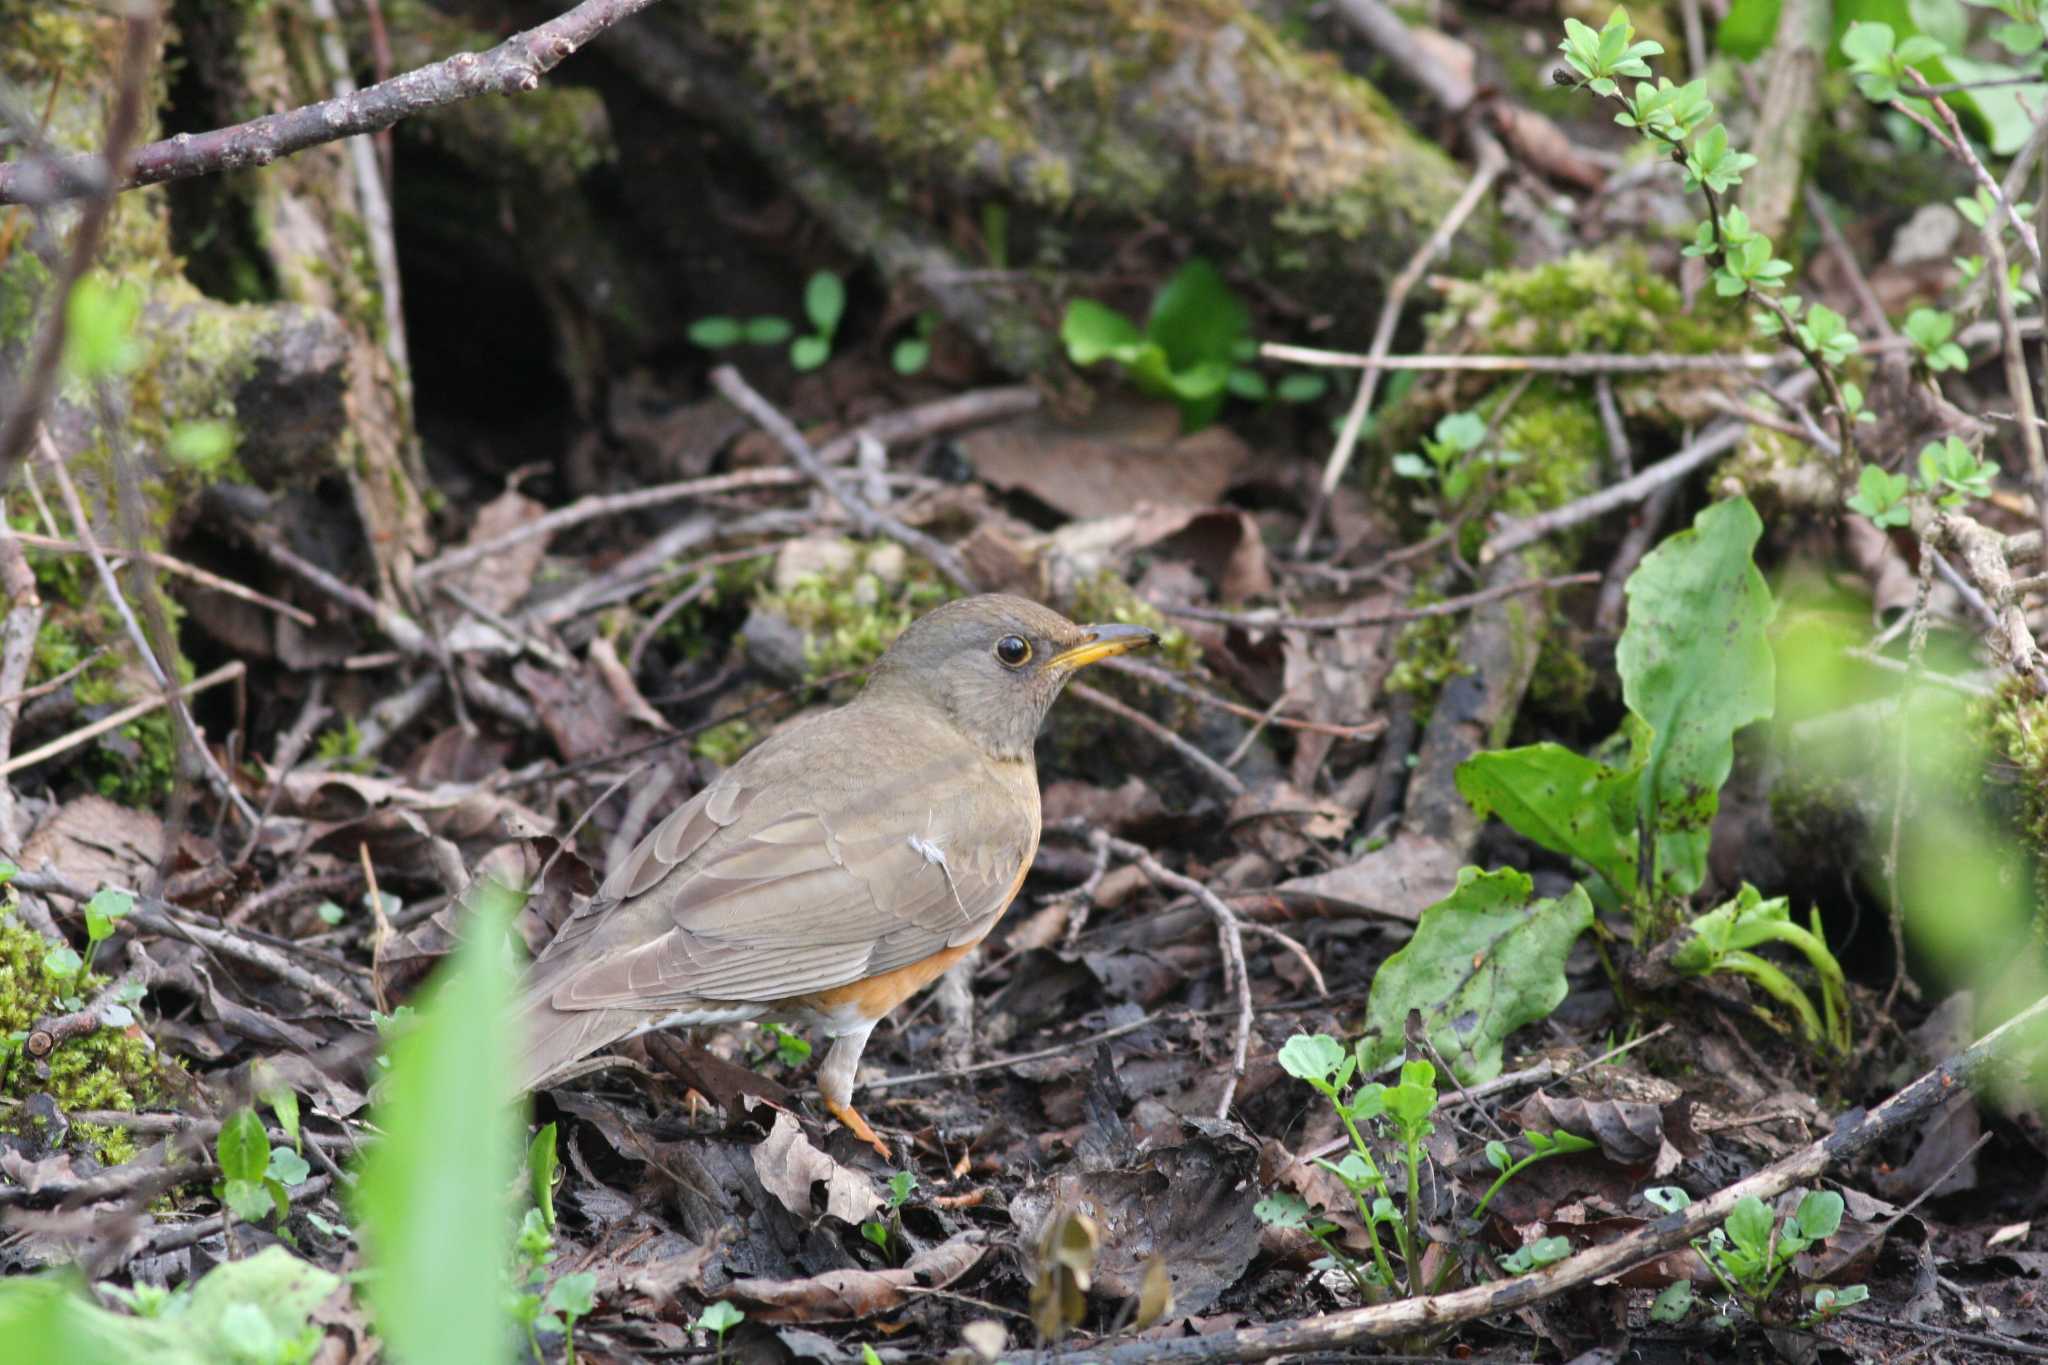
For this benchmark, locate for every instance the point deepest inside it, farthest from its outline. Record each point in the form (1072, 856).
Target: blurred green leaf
(243, 1148)
(1197, 317)
(431, 1198)
(99, 328)
(203, 445)
(1094, 331)
(540, 1170)
(715, 334)
(825, 302)
(766, 331)
(808, 353)
(910, 355)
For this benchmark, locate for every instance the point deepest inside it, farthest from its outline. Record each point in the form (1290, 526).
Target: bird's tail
(551, 1039)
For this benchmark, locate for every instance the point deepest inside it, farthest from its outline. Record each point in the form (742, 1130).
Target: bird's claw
(858, 1126)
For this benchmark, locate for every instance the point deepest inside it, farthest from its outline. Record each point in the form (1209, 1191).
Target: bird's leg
(835, 1083)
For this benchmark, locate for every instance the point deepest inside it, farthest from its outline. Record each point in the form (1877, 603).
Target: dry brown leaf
(789, 1165)
(1066, 1265)
(500, 580)
(847, 1295)
(1120, 456)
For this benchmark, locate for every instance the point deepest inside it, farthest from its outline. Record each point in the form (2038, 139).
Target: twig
(25, 412)
(1957, 144)
(1229, 938)
(1853, 1135)
(68, 742)
(1292, 945)
(1492, 161)
(159, 917)
(167, 695)
(867, 519)
(513, 66)
(1161, 677)
(1450, 606)
(1220, 777)
(174, 565)
(1659, 362)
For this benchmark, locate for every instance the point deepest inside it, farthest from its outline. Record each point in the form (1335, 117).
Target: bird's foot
(858, 1126)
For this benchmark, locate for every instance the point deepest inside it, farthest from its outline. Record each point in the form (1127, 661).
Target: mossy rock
(1192, 111)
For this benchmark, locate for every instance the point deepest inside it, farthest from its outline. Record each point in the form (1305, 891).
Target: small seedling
(720, 1318)
(1537, 1254)
(102, 913)
(824, 305)
(881, 1233)
(1751, 1251)
(914, 352)
(254, 1175)
(1452, 458)
(790, 1048)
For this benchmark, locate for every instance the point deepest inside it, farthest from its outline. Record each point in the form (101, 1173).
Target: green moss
(1045, 96)
(1563, 681)
(109, 1069)
(723, 744)
(1586, 302)
(849, 617)
(1425, 656)
(2015, 725)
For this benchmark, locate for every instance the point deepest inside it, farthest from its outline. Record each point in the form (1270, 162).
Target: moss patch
(110, 1069)
(851, 613)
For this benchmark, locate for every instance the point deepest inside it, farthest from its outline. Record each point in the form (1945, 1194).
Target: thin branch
(65, 743)
(1656, 362)
(868, 520)
(1451, 606)
(513, 66)
(1228, 783)
(1492, 162)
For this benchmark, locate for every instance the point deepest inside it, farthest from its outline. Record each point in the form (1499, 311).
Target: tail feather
(551, 1039)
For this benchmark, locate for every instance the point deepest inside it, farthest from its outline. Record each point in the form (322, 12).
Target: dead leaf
(1399, 880)
(1120, 456)
(95, 842)
(789, 1165)
(604, 657)
(848, 1295)
(1066, 1264)
(1155, 1295)
(498, 581)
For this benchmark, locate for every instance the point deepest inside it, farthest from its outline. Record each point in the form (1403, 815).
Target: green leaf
(1566, 802)
(1197, 319)
(431, 1193)
(1282, 1209)
(876, 1232)
(825, 302)
(540, 1173)
(284, 1101)
(910, 355)
(808, 353)
(574, 1295)
(329, 912)
(1482, 962)
(715, 334)
(1696, 666)
(287, 1167)
(720, 1317)
(1248, 384)
(1301, 388)
(1749, 1223)
(1819, 1215)
(765, 331)
(1748, 29)
(99, 328)
(1311, 1057)
(242, 1147)
(251, 1200)
(1673, 1303)
(1093, 331)
(62, 961)
(203, 445)
(103, 910)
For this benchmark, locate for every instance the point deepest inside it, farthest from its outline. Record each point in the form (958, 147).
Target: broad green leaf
(1311, 1057)
(269, 1295)
(1749, 1223)
(1820, 1214)
(431, 1200)
(106, 906)
(825, 302)
(1093, 331)
(1566, 802)
(1197, 318)
(1695, 665)
(1483, 961)
(276, 1284)
(2000, 110)
(242, 1148)
(287, 1167)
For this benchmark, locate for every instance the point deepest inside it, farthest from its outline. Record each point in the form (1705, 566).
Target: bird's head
(994, 664)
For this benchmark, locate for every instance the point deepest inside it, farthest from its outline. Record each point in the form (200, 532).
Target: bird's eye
(1013, 651)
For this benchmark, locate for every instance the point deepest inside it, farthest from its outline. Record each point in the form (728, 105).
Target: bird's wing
(774, 886)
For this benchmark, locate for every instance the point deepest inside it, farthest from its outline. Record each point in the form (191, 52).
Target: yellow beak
(1103, 642)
